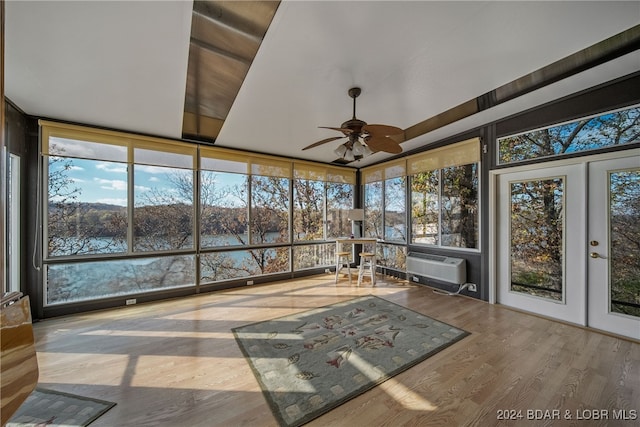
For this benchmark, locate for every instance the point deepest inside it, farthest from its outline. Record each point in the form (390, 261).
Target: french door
(567, 242)
(614, 246)
(541, 224)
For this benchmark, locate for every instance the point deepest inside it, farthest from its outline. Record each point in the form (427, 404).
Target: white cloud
(151, 169)
(154, 179)
(142, 188)
(77, 180)
(112, 184)
(111, 167)
(76, 168)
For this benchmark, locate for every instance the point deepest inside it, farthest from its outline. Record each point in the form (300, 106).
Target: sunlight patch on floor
(190, 372)
(89, 368)
(394, 388)
(162, 334)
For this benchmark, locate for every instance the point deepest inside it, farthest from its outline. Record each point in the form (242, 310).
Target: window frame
(584, 152)
(250, 165)
(457, 154)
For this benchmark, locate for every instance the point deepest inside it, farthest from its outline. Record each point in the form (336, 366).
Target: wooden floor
(176, 363)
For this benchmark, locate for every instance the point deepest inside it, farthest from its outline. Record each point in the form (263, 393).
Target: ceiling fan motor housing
(354, 124)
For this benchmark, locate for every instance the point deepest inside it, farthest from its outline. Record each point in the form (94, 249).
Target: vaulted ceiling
(159, 67)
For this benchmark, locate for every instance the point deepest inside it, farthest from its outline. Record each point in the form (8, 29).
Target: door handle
(596, 255)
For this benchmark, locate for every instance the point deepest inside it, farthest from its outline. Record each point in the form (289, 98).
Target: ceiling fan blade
(343, 130)
(385, 144)
(382, 130)
(324, 141)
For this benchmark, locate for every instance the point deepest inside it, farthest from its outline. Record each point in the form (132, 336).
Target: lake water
(81, 281)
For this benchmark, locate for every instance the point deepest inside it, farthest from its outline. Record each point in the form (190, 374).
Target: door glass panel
(624, 263)
(537, 210)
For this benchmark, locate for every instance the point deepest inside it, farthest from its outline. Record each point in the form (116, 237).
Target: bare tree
(76, 228)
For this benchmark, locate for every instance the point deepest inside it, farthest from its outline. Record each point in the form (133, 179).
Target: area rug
(54, 408)
(311, 362)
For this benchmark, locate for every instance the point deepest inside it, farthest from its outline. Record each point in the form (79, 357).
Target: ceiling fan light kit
(358, 148)
(341, 150)
(362, 139)
(348, 156)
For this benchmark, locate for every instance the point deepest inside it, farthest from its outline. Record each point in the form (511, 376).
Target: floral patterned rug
(309, 363)
(54, 408)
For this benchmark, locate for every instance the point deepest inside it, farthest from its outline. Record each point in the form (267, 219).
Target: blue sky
(106, 182)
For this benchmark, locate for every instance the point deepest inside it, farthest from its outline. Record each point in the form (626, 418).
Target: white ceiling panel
(119, 64)
(123, 64)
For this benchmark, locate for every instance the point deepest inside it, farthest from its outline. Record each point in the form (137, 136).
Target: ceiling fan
(363, 139)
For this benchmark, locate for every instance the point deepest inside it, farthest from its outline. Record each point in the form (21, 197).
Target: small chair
(367, 260)
(343, 259)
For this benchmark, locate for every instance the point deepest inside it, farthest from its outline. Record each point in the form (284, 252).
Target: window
(312, 256)
(339, 202)
(163, 208)
(85, 281)
(163, 197)
(395, 224)
(373, 209)
(425, 208)
(224, 214)
(443, 186)
(226, 265)
(109, 195)
(87, 198)
(224, 208)
(590, 133)
(392, 256)
(269, 210)
(322, 198)
(385, 201)
(460, 206)
(308, 209)
(121, 217)
(270, 201)
(444, 196)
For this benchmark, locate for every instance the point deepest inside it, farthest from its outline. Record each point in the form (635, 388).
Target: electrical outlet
(416, 279)
(472, 287)
(249, 282)
(131, 301)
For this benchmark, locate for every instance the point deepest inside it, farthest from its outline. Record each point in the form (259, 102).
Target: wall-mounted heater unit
(446, 269)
